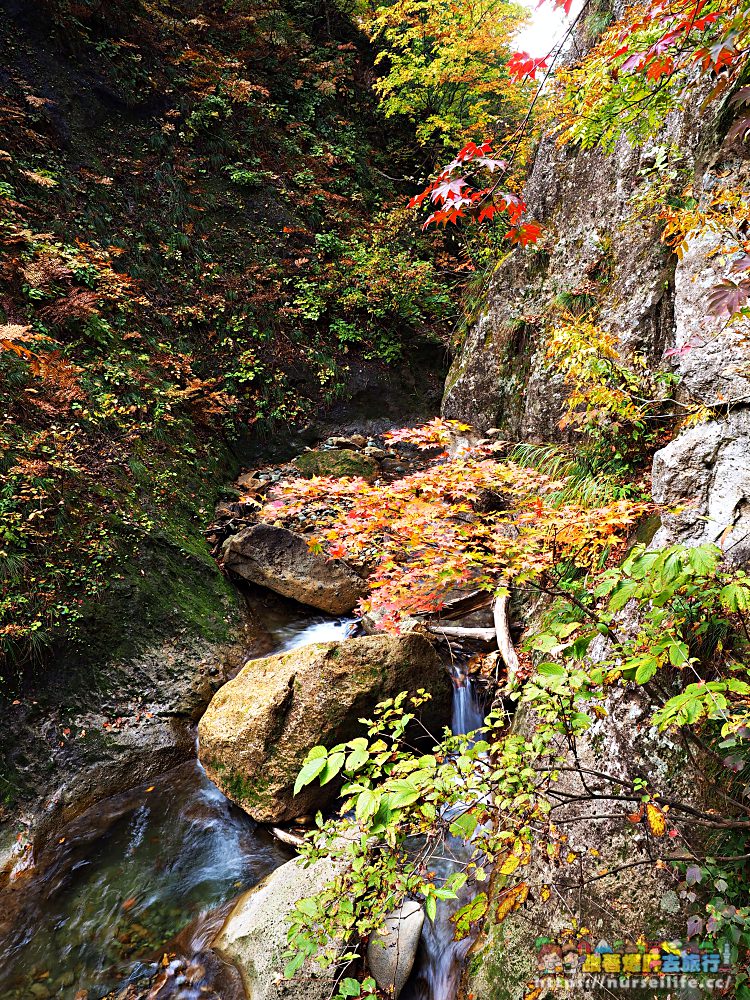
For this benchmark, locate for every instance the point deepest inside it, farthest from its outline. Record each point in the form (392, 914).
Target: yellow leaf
(545, 893)
(511, 900)
(509, 865)
(656, 820)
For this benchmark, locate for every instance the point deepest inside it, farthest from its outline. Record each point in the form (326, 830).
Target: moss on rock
(336, 462)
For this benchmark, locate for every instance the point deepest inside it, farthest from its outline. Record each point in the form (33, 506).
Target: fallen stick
(457, 632)
(502, 631)
(287, 837)
(459, 607)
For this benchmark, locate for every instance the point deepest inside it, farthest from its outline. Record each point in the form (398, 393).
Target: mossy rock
(336, 462)
(258, 729)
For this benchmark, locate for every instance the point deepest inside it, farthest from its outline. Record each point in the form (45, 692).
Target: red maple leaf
(659, 68)
(522, 66)
(448, 190)
(729, 296)
(527, 232)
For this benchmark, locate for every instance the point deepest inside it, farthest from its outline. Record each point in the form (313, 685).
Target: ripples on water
(133, 872)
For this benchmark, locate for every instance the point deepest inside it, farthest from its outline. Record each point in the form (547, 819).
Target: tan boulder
(282, 561)
(260, 726)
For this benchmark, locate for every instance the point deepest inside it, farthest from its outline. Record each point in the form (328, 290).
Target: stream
(440, 958)
(135, 870)
(158, 866)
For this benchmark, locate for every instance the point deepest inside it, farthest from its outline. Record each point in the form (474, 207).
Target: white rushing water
(440, 959)
(319, 629)
(139, 869)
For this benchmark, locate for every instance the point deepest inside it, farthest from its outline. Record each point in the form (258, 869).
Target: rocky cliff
(653, 302)
(600, 242)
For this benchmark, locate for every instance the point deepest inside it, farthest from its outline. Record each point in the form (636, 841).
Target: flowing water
(158, 866)
(136, 870)
(440, 959)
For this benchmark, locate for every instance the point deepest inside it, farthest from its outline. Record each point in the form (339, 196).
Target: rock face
(392, 951)
(337, 462)
(702, 482)
(254, 936)
(281, 561)
(260, 726)
(499, 378)
(622, 906)
(656, 306)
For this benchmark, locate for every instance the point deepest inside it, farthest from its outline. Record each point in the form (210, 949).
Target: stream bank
(117, 885)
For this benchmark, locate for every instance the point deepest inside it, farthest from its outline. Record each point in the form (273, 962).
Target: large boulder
(392, 950)
(259, 727)
(282, 561)
(253, 939)
(336, 462)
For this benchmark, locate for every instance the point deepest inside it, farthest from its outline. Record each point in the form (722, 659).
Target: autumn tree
(445, 67)
(467, 517)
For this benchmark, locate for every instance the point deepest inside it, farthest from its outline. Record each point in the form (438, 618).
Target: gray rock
(282, 561)
(259, 727)
(583, 198)
(622, 905)
(714, 363)
(392, 950)
(702, 482)
(253, 939)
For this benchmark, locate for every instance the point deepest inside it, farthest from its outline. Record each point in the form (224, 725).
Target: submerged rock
(282, 561)
(337, 462)
(253, 938)
(392, 951)
(259, 727)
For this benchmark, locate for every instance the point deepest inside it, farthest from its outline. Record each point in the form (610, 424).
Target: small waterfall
(440, 958)
(467, 715)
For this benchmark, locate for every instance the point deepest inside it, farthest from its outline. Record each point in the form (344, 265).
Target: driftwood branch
(456, 632)
(458, 607)
(504, 641)
(499, 634)
(287, 837)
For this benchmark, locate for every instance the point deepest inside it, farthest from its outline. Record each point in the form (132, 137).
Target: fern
(586, 481)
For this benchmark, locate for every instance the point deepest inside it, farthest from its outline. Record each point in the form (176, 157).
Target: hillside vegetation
(195, 258)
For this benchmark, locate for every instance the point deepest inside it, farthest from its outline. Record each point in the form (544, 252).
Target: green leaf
(402, 794)
(467, 915)
(463, 826)
(309, 772)
(735, 597)
(551, 670)
(679, 654)
(367, 805)
(430, 907)
(646, 669)
(544, 642)
(704, 559)
(294, 965)
(333, 765)
(308, 906)
(350, 988)
(623, 593)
